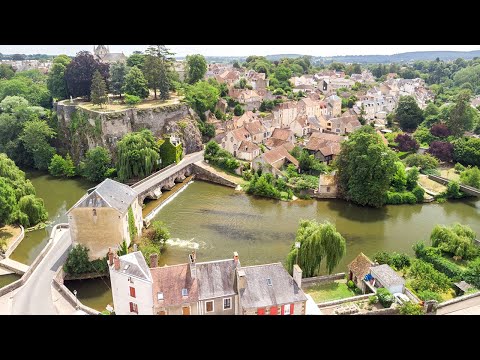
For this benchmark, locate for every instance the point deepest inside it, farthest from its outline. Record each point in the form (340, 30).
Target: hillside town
(147, 183)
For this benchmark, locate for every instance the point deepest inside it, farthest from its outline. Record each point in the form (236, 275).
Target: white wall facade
(121, 284)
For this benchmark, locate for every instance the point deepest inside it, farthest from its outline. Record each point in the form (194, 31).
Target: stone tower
(100, 51)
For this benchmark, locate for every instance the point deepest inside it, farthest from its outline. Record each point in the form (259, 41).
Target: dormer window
(184, 292)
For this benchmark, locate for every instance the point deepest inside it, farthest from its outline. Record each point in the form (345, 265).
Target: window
(286, 309)
(328, 188)
(227, 304)
(269, 282)
(160, 296)
(132, 291)
(184, 292)
(209, 306)
(94, 212)
(133, 308)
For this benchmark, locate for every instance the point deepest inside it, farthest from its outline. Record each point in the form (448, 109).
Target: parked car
(401, 298)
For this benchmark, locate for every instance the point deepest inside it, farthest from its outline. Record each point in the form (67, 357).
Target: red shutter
(282, 310)
(131, 307)
(261, 311)
(132, 291)
(273, 310)
(291, 309)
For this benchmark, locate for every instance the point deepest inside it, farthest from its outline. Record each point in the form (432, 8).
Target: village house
(384, 276)
(310, 107)
(357, 269)
(247, 151)
(340, 83)
(249, 98)
(228, 77)
(280, 137)
(305, 89)
(273, 160)
(257, 81)
(234, 138)
(343, 125)
(327, 186)
(100, 219)
(285, 113)
(300, 126)
(257, 131)
(270, 290)
(325, 147)
(222, 105)
(334, 105)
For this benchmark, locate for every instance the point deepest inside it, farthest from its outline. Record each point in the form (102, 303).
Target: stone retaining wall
(17, 241)
(389, 311)
(343, 301)
(458, 299)
(205, 175)
(307, 282)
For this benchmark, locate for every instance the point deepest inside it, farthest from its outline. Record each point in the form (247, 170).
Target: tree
(98, 92)
(96, 164)
(410, 308)
(424, 162)
(164, 82)
(61, 167)
(79, 74)
(441, 150)
(412, 178)
(467, 151)
(236, 65)
(152, 72)
(8, 202)
(196, 67)
(136, 60)
(406, 143)
(460, 118)
(118, 71)
(471, 177)
(56, 77)
(238, 110)
(408, 114)
(31, 85)
(35, 137)
(135, 83)
(317, 242)
(365, 168)
(457, 240)
(399, 179)
(137, 155)
(77, 261)
(6, 71)
(440, 130)
(34, 208)
(159, 234)
(202, 97)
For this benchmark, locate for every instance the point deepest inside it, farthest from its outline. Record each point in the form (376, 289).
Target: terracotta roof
(170, 280)
(282, 134)
(268, 285)
(255, 127)
(288, 105)
(273, 143)
(302, 120)
(248, 147)
(241, 134)
(360, 266)
(346, 121)
(330, 149)
(278, 154)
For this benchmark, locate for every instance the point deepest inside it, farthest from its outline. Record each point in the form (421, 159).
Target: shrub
(358, 291)
(385, 297)
(382, 257)
(429, 295)
(434, 256)
(406, 143)
(350, 284)
(459, 168)
(132, 100)
(397, 198)
(419, 193)
(457, 240)
(421, 161)
(472, 275)
(440, 130)
(373, 300)
(441, 150)
(425, 277)
(400, 261)
(471, 177)
(410, 308)
(453, 191)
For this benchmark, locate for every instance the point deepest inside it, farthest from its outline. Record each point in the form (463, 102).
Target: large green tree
(31, 84)
(136, 60)
(6, 71)
(8, 202)
(151, 71)
(137, 155)
(96, 165)
(79, 73)
(461, 117)
(196, 68)
(164, 84)
(366, 167)
(467, 151)
(136, 84)
(317, 242)
(56, 82)
(408, 114)
(98, 92)
(202, 96)
(118, 71)
(36, 138)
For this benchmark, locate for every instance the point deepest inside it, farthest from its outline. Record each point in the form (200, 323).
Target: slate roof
(134, 264)
(386, 275)
(216, 279)
(257, 293)
(171, 280)
(108, 193)
(360, 266)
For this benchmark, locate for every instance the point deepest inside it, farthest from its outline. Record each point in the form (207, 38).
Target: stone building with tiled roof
(358, 268)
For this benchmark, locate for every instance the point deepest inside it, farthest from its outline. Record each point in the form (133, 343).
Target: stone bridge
(464, 188)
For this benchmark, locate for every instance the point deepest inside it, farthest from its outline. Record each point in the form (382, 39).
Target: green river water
(218, 221)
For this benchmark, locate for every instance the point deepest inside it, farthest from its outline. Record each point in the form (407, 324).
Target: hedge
(434, 256)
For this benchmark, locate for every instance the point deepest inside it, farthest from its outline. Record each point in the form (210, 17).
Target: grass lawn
(9, 233)
(146, 104)
(331, 291)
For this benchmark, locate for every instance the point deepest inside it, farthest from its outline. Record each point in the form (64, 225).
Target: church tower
(100, 51)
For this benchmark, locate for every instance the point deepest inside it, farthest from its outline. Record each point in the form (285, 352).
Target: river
(219, 220)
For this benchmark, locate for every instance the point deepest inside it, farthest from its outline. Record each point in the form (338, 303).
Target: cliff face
(81, 129)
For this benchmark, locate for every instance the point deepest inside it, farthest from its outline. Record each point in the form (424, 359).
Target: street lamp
(297, 246)
(76, 299)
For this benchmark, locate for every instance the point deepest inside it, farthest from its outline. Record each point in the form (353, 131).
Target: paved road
(467, 307)
(35, 297)
(187, 160)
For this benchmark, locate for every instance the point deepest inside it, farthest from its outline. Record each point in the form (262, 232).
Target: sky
(242, 50)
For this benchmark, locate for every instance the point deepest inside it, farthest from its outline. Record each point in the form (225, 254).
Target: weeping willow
(317, 242)
(34, 208)
(457, 240)
(137, 155)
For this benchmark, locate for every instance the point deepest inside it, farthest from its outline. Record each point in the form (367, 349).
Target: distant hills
(365, 59)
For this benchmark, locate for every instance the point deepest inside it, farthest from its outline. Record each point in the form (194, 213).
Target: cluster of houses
(23, 65)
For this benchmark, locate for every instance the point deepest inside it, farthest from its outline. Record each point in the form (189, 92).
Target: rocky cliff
(81, 129)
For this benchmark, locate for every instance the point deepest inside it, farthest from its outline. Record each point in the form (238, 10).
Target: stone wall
(106, 129)
(307, 282)
(346, 300)
(205, 175)
(17, 241)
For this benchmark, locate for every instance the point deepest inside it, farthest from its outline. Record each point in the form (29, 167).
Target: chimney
(235, 259)
(193, 266)
(135, 247)
(116, 261)
(242, 281)
(110, 257)
(297, 275)
(153, 261)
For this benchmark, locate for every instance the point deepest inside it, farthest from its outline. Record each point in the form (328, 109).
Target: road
(187, 160)
(467, 307)
(35, 296)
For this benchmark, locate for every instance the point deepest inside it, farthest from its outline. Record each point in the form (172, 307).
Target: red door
(261, 311)
(273, 310)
